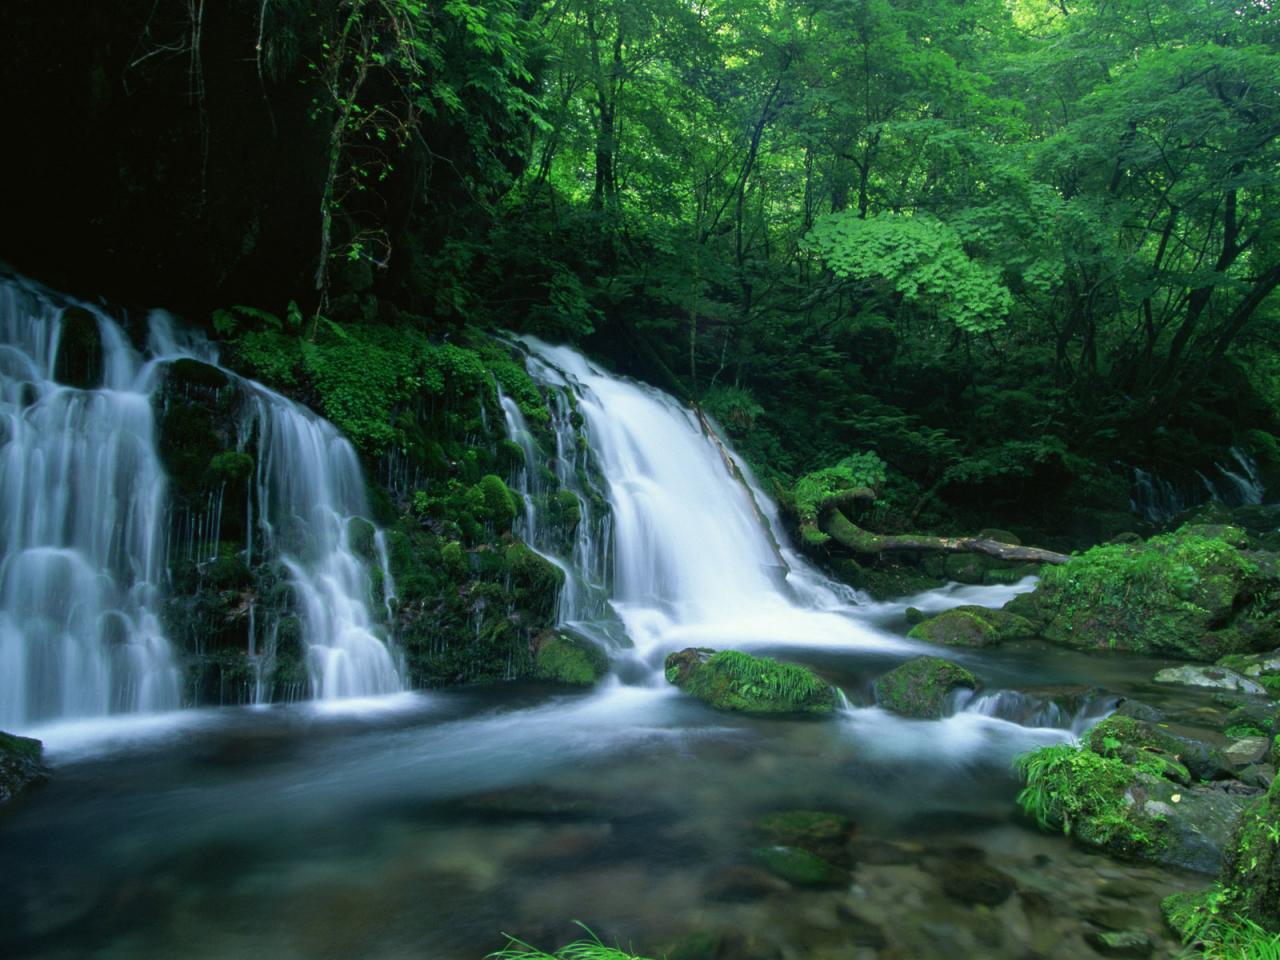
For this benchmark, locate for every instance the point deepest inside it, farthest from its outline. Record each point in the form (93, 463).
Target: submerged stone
(741, 683)
(919, 688)
(971, 881)
(825, 835)
(1120, 943)
(800, 867)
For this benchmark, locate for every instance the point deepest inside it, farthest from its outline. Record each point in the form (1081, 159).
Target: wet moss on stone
(919, 688)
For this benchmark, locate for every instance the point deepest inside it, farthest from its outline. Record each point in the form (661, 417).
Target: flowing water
(87, 530)
(424, 825)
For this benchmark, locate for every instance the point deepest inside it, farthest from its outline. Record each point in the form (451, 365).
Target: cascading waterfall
(697, 557)
(82, 522)
(1159, 499)
(87, 530)
(312, 500)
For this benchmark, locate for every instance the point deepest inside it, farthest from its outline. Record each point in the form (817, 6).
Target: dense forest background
(984, 257)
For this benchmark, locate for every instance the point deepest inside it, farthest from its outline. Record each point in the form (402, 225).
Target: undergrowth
(588, 949)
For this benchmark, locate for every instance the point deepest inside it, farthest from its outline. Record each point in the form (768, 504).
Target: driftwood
(845, 532)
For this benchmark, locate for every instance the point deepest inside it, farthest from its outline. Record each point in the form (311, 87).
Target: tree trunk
(843, 531)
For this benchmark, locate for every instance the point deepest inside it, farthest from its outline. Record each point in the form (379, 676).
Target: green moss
(231, 467)
(497, 502)
(564, 658)
(25, 747)
(919, 688)
(1083, 794)
(1193, 594)
(973, 627)
(814, 491)
(734, 681)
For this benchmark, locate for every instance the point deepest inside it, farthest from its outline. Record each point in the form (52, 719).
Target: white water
(697, 557)
(1159, 499)
(82, 512)
(311, 494)
(85, 526)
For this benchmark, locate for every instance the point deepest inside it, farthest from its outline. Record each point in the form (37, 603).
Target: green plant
(590, 949)
(760, 678)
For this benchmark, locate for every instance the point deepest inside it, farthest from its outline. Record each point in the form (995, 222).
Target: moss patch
(972, 626)
(737, 682)
(562, 657)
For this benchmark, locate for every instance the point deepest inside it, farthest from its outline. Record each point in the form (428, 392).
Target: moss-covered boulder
(741, 683)
(1248, 885)
(1197, 593)
(1132, 809)
(563, 657)
(972, 626)
(21, 765)
(920, 687)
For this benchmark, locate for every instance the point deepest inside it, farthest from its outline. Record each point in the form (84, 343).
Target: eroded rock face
(919, 688)
(21, 765)
(741, 683)
(1198, 593)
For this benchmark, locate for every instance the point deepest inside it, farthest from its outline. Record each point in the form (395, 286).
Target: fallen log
(845, 532)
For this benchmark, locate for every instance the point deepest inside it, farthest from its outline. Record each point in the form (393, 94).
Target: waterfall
(694, 553)
(87, 528)
(82, 512)
(312, 500)
(1159, 499)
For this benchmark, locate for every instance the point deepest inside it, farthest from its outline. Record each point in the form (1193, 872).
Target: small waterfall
(88, 530)
(694, 554)
(311, 496)
(82, 512)
(1159, 499)
(1074, 712)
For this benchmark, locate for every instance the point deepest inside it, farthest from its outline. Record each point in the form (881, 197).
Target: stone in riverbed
(1215, 678)
(1247, 750)
(973, 626)
(919, 688)
(1120, 943)
(825, 835)
(800, 867)
(969, 880)
(741, 683)
(21, 765)
(563, 657)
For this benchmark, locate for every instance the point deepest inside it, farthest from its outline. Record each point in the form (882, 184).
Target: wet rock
(969, 880)
(919, 688)
(915, 615)
(1139, 711)
(1134, 741)
(1111, 917)
(565, 657)
(21, 765)
(1247, 750)
(1123, 889)
(800, 867)
(1264, 718)
(79, 359)
(1253, 664)
(741, 683)
(1260, 775)
(742, 883)
(882, 853)
(1197, 825)
(1120, 943)
(825, 835)
(1216, 678)
(973, 626)
(858, 931)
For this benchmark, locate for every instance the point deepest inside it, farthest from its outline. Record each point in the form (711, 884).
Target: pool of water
(428, 825)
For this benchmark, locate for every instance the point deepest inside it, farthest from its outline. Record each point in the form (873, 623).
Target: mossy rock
(919, 688)
(740, 683)
(972, 626)
(563, 657)
(1195, 594)
(362, 537)
(800, 867)
(1143, 744)
(187, 373)
(21, 765)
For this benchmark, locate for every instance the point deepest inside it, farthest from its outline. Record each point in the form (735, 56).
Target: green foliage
(590, 949)
(863, 470)
(921, 259)
(1076, 790)
(734, 681)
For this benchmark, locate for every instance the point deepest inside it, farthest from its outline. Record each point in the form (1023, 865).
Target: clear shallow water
(422, 825)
